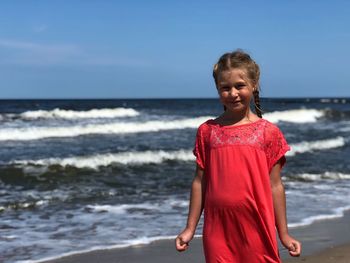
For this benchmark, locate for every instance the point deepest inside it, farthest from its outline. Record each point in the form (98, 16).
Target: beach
(323, 241)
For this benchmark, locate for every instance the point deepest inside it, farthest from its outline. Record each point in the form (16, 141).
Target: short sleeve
(199, 149)
(276, 146)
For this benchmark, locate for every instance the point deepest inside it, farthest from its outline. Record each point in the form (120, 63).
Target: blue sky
(160, 49)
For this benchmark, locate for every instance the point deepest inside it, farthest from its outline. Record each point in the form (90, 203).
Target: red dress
(239, 222)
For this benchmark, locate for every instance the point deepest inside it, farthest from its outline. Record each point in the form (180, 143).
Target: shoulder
(272, 132)
(205, 127)
(270, 126)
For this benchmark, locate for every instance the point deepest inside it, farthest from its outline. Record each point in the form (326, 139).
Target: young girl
(237, 182)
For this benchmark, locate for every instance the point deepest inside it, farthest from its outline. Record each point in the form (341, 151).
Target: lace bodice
(246, 134)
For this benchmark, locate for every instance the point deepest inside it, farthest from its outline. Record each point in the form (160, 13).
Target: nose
(233, 92)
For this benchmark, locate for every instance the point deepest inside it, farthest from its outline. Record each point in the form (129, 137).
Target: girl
(239, 158)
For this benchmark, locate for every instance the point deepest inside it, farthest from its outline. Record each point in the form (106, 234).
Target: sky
(166, 49)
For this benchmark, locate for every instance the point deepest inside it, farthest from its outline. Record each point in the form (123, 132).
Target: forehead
(232, 75)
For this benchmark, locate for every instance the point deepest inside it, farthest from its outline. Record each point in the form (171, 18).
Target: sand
(340, 254)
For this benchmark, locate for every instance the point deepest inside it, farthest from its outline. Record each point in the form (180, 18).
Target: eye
(240, 86)
(225, 88)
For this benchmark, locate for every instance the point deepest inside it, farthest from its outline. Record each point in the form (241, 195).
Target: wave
(124, 208)
(121, 209)
(153, 157)
(317, 177)
(96, 161)
(167, 204)
(71, 114)
(35, 133)
(127, 243)
(305, 146)
(296, 116)
(145, 240)
(345, 129)
(336, 213)
(23, 205)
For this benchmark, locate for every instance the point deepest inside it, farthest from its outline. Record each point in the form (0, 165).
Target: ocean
(79, 175)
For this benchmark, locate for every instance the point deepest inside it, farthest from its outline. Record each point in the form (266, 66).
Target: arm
(279, 203)
(194, 213)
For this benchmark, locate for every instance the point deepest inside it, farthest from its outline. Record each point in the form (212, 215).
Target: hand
(293, 245)
(183, 239)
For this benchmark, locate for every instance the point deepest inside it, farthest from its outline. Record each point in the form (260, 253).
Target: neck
(235, 117)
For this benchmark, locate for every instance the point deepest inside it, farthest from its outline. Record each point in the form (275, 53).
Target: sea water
(78, 175)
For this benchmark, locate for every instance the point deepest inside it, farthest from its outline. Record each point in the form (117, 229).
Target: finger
(182, 247)
(182, 241)
(297, 249)
(291, 247)
(178, 241)
(180, 244)
(294, 253)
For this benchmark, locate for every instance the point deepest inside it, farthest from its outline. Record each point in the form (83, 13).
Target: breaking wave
(297, 116)
(128, 158)
(149, 157)
(35, 133)
(318, 177)
(316, 145)
(71, 114)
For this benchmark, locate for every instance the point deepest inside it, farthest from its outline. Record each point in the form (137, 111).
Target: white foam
(148, 157)
(121, 209)
(297, 116)
(70, 114)
(316, 145)
(326, 175)
(11, 237)
(345, 129)
(128, 158)
(336, 213)
(23, 205)
(129, 243)
(35, 133)
(179, 203)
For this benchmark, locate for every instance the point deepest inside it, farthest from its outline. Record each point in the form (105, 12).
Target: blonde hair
(240, 59)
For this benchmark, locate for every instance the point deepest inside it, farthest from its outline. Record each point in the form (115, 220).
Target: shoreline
(322, 240)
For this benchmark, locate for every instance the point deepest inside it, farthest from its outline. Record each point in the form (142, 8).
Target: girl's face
(235, 90)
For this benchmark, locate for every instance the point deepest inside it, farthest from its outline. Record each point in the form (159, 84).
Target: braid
(257, 102)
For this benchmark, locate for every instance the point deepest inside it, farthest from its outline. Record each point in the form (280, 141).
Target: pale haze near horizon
(160, 49)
